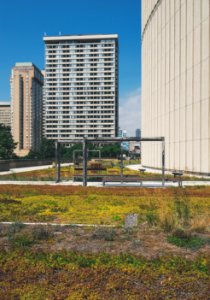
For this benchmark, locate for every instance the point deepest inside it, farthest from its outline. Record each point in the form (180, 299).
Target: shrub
(41, 233)
(15, 227)
(106, 234)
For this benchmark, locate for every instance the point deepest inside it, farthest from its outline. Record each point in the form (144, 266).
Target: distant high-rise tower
(138, 133)
(26, 107)
(5, 113)
(81, 86)
(175, 83)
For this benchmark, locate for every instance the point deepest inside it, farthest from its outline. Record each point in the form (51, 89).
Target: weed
(21, 241)
(182, 210)
(117, 218)
(200, 223)
(167, 221)
(152, 218)
(184, 239)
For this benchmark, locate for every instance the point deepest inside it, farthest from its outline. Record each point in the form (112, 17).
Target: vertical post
(84, 162)
(121, 160)
(57, 162)
(163, 162)
(74, 157)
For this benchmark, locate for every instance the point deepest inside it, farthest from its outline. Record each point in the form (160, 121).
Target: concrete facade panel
(176, 82)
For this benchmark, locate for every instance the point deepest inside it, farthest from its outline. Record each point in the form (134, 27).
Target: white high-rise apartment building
(81, 86)
(175, 83)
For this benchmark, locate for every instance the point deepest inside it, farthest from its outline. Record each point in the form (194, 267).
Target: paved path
(58, 224)
(155, 171)
(97, 184)
(111, 184)
(28, 169)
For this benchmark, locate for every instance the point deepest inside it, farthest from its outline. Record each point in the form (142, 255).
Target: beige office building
(26, 107)
(175, 83)
(5, 113)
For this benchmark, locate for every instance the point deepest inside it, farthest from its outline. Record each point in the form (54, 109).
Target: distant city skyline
(31, 22)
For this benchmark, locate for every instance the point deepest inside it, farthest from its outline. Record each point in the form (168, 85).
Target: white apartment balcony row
(79, 122)
(75, 73)
(79, 92)
(59, 68)
(74, 81)
(79, 112)
(81, 96)
(64, 55)
(66, 75)
(66, 101)
(64, 67)
(76, 45)
(61, 85)
(79, 82)
(80, 50)
(111, 87)
(78, 137)
(72, 48)
(79, 106)
(79, 133)
(65, 71)
(77, 85)
(89, 79)
(80, 103)
(81, 60)
(80, 127)
(66, 97)
(51, 119)
(80, 65)
(70, 54)
(63, 91)
(82, 118)
(55, 117)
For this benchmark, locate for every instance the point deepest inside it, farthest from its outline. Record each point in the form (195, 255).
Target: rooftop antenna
(59, 32)
(45, 33)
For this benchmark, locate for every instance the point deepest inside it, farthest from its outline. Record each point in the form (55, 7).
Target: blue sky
(24, 22)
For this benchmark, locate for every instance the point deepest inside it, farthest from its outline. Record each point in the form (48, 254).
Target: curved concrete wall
(175, 83)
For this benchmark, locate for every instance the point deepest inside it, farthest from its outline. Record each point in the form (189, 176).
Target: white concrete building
(175, 83)
(81, 86)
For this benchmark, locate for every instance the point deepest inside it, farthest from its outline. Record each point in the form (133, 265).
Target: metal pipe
(84, 162)
(104, 140)
(163, 163)
(57, 162)
(121, 161)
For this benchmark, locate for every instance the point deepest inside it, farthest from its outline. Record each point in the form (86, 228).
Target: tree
(110, 150)
(7, 144)
(47, 150)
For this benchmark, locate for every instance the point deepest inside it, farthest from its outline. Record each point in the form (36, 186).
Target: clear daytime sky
(24, 22)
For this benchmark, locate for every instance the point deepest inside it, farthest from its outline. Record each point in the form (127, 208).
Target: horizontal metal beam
(116, 139)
